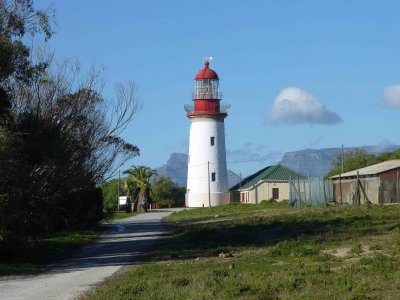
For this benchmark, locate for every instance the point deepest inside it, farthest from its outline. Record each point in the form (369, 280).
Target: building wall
(390, 175)
(390, 186)
(263, 191)
(201, 152)
(349, 186)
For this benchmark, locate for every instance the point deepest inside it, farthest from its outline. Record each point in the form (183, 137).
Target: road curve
(118, 245)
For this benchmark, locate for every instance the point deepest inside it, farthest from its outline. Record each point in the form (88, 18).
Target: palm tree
(141, 175)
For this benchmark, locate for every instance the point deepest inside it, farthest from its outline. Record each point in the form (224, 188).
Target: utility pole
(342, 159)
(290, 190)
(340, 186)
(240, 186)
(209, 191)
(119, 177)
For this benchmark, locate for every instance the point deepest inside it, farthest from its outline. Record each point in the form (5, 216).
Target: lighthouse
(207, 181)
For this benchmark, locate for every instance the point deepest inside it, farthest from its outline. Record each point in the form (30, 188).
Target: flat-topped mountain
(318, 162)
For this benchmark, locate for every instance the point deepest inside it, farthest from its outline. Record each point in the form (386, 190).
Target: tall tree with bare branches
(59, 137)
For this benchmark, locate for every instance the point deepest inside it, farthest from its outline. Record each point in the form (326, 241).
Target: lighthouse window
(212, 141)
(213, 176)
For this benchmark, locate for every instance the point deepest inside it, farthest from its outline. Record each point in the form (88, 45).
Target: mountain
(313, 162)
(176, 169)
(318, 162)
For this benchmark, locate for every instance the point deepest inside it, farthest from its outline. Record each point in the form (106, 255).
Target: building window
(212, 141)
(275, 193)
(213, 176)
(245, 197)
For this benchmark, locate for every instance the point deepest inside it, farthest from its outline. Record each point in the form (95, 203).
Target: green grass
(118, 215)
(278, 253)
(231, 211)
(36, 254)
(46, 250)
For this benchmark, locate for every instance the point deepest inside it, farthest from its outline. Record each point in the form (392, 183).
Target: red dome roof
(206, 73)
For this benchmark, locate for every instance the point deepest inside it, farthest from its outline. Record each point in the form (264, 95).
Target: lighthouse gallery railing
(224, 109)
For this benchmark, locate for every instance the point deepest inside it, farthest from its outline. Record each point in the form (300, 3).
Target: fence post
(397, 188)
(298, 189)
(323, 186)
(366, 200)
(358, 194)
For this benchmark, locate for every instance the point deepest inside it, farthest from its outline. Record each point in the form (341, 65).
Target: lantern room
(206, 95)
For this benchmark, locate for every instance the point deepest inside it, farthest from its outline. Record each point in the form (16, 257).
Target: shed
(378, 184)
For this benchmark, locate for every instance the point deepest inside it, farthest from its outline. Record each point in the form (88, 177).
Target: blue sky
(298, 74)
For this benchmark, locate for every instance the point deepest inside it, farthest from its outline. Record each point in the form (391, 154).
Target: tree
(352, 160)
(91, 123)
(166, 193)
(389, 155)
(66, 146)
(359, 158)
(18, 18)
(59, 137)
(141, 175)
(110, 193)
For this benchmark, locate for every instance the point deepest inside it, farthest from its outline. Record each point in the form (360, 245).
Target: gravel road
(117, 247)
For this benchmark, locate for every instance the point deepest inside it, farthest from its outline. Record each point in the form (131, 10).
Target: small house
(377, 184)
(269, 183)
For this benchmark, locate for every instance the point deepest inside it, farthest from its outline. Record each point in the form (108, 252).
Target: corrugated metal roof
(273, 173)
(372, 170)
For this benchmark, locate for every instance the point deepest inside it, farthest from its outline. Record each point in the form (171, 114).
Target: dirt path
(117, 247)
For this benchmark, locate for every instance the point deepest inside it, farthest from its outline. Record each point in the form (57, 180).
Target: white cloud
(391, 96)
(295, 106)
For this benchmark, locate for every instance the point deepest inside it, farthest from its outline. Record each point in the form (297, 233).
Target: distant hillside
(176, 169)
(313, 162)
(318, 162)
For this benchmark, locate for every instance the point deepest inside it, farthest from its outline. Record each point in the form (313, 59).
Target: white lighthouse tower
(207, 181)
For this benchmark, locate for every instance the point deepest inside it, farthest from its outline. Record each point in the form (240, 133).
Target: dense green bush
(166, 193)
(110, 193)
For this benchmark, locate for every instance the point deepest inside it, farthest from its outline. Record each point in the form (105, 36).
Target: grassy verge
(118, 215)
(52, 248)
(270, 251)
(46, 250)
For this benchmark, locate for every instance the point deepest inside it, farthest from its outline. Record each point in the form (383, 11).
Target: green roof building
(269, 183)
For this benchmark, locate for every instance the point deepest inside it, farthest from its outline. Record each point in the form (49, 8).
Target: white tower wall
(202, 129)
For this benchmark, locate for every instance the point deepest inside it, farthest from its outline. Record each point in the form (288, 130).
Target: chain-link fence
(310, 192)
